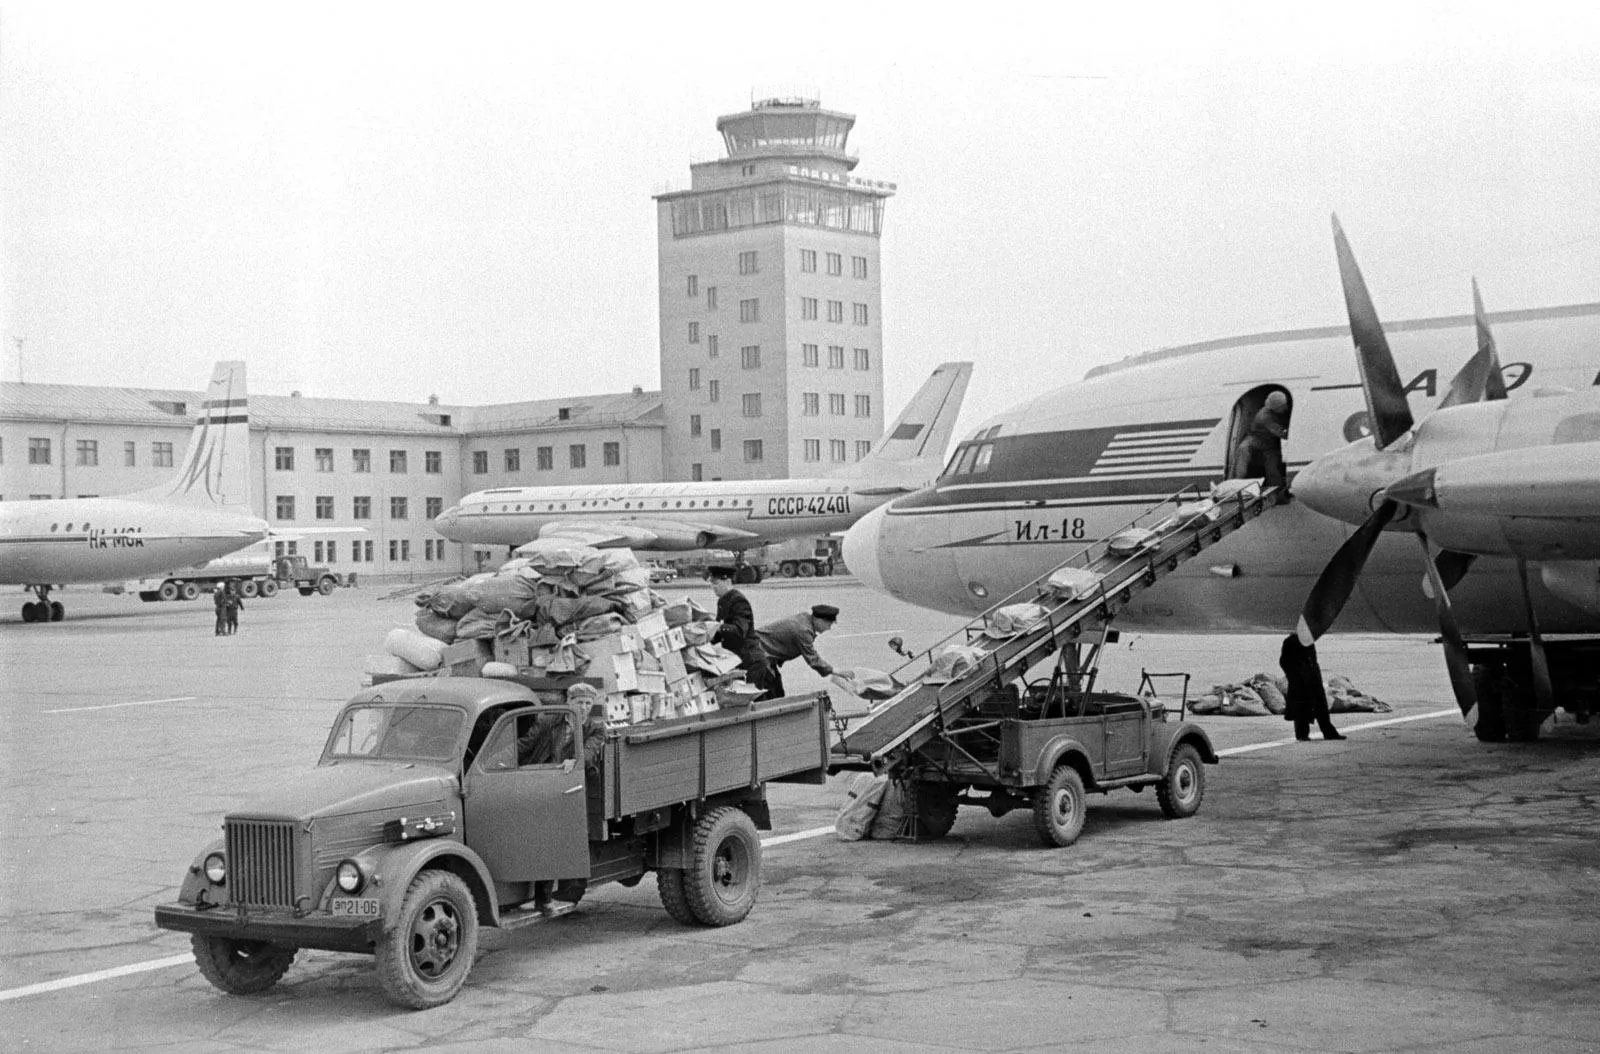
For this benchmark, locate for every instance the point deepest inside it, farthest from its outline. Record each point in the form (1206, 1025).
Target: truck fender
(195, 880)
(393, 867)
(1196, 737)
(673, 843)
(1063, 749)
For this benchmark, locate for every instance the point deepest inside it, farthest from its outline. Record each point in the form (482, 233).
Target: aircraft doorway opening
(1250, 460)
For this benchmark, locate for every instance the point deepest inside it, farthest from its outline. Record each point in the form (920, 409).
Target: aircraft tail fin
(216, 468)
(911, 451)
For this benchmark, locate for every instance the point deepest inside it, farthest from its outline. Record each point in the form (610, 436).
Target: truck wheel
(935, 805)
(168, 591)
(240, 967)
(325, 585)
(787, 569)
(190, 591)
(1182, 788)
(247, 588)
(807, 568)
(1059, 807)
(306, 591)
(149, 596)
(669, 884)
(724, 875)
(424, 959)
(825, 569)
(269, 588)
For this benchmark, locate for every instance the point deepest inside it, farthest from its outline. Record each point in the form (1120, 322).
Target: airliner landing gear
(44, 609)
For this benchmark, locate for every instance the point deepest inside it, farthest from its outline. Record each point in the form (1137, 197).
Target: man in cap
(1260, 454)
(794, 637)
(737, 632)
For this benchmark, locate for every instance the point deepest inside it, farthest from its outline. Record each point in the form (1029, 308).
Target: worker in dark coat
(219, 597)
(1305, 701)
(794, 637)
(737, 629)
(1260, 454)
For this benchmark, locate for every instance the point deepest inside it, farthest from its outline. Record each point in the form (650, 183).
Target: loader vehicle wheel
(1184, 786)
(269, 588)
(325, 586)
(935, 805)
(424, 960)
(669, 885)
(1059, 807)
(248, 589)
(168, 591)
(190, 591)
(241, 967)
(724, 874)
(806, 569)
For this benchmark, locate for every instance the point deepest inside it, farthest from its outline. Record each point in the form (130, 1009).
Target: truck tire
(807, 568)
(669, 884)
(325, 585)
(168, 591)
(1184, 786)
(306, 591)
(248, 588)
(825, 569)
(190, 591)
(724, 874)
(149, 596)
(269, 588)
(1059, 807)
(787, 569)
(424, 959)
(240, 967)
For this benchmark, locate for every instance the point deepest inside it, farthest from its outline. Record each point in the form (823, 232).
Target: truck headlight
(216, 869)
(350, 877)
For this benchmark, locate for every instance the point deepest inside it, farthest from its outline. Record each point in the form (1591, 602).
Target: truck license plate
(356, 907)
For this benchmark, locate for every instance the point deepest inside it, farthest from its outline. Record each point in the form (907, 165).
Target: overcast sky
(393, 201)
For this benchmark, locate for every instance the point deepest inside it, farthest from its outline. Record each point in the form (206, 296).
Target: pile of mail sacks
(573, 611)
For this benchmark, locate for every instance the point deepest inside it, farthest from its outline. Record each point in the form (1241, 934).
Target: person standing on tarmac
(794, 637)
(1260, 454)
(231, 603)
(219, 597)
(1305, 701)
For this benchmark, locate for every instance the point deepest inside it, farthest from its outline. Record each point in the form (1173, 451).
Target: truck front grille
(261, 863)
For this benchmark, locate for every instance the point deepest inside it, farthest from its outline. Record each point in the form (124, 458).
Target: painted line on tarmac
(782, 839)
(115, 706)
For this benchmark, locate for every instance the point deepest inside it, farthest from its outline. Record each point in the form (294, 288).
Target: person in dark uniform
(794, 637)
(231, 604)
(737, 631)
(1260, 454)
(219, 597)
(1305, 701)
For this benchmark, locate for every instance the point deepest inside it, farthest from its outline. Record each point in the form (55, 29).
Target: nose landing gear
(44, 609)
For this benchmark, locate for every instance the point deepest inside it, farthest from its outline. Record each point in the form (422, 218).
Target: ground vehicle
(801, 557)
(252, 573)
(423, 820)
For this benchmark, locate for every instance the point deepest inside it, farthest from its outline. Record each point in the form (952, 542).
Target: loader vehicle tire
(269, 588)
(669, 885)
(168, 591)
(1059, 807)
(424, 959)
(190, 591)
(724, 874)
(241, 967)
(1184, 786)
(935, 805)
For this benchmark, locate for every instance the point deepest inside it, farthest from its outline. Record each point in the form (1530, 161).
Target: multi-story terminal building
(771, 321)
(388, 467)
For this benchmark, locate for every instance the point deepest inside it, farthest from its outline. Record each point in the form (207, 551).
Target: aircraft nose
(861, 549)
(445, 522)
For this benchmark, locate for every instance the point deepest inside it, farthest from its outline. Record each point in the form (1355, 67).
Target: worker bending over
(789, 638)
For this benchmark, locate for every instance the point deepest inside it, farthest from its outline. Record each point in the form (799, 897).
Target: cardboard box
(652, 625)
(652, 681)
(657, 645)
(623, 677)
(465, 651)
(641, 708)
(619, 709)
(672, 666)
(664, 708)
(675, 638)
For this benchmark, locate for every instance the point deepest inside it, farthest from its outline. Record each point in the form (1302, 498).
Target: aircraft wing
(663, 535)
(290, 534)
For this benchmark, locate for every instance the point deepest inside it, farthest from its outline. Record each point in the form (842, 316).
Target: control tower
(771, 321)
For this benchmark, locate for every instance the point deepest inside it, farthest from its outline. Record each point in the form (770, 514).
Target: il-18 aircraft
(1501, 476)
(723, 514)
(201, 512)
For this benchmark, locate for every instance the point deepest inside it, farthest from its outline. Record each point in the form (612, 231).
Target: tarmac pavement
(1406, 890)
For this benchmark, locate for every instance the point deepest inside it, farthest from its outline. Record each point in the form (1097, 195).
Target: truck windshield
(406, 733)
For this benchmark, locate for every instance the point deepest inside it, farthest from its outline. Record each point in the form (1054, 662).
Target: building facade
(770, 301)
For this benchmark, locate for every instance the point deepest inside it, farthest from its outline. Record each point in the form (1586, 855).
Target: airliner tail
(216, 467)
(911, 452)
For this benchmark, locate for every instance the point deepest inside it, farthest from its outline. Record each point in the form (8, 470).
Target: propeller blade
(1455, 649)
(1452, 567)
(1387, 408)
(1543, 689)
(1338, 580)
(1479, 378)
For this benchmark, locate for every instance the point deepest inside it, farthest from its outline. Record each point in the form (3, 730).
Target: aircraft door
(525, 802)
(1236, 463)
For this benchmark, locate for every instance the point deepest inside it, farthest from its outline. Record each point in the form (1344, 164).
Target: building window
(578, 455)
(863, 448)
(547, 458)
(835, 264)
(513, 459)
(836, 449)
(858, 266)
(750, 357)
(433, 462)
(397, 509)
(88, 452)
(747, 262)
(714, 391)
(360, 460)
(697, 472)
(397, 462)
(283, 458)
(711, 298)
(813, 450)
(361, 508)
(694, 285)
(427, 548)
(367, 546)
(863, 406)
(394, 550)
(694, 333)
(324, 506)
(752, 450)
(285, 507)
(810, 404)
(863, 359)
(808, 260)
(39, 451)
(836, 311)
(835, 356)
(751, 404)
(694, 425)
(324, 458)
(694, 378)
(317, 552)
(161, 455)
(716, 439)
(711, 345)
(435, 507)
(859, 314)
(480, 462)
(750, 310)
(808, 355)
(130, 454)
(611, 455)
(808, 309)
(836, 404)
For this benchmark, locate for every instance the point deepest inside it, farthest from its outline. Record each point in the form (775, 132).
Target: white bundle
(417, 648)
(386, 664)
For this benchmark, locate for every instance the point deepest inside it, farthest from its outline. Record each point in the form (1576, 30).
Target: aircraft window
(54, 527)
(69, 527)
(677, 505)
(749, 502)
(985, 455)
(719, 503)
(663, 505)
(964, 464)
(563, 506)
(955, 459)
